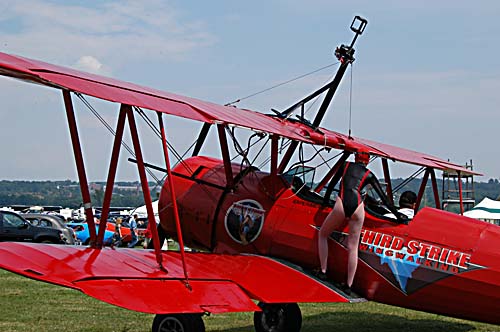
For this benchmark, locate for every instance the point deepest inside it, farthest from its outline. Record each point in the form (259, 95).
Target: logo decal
(244, 221)
(411, 265)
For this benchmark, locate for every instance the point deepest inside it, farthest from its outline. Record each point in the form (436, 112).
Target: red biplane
(258, 228)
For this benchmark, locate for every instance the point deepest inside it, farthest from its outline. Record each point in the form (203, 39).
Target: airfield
(27, 306)
(30, 305)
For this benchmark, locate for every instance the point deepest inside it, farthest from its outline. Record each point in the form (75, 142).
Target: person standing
(133, 231)
(117, 236)
(147, 237)
(349, 207)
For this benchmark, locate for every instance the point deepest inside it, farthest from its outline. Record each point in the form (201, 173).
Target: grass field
(28, 305)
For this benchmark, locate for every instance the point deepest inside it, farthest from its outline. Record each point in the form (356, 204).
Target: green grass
(28, 305)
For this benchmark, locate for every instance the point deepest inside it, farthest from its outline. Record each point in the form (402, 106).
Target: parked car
(126, 236)
(52, 221)
(142, 226)
(14, 227)
(83, 235)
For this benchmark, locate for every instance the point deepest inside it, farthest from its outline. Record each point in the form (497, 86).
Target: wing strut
(422, 188)
(274, 154)
(80, 166)
(225, 155)
(111, 174)
(387, 179)
(435, 189)
(460, 192)
(201, 138)
(174, 201)
(144, 184)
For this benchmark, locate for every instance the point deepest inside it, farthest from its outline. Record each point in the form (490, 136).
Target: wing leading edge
(131, 278)
(39, 72)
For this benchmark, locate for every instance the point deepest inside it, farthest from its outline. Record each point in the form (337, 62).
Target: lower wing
(132, 279)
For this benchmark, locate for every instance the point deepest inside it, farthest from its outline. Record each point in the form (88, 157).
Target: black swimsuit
(354, 178)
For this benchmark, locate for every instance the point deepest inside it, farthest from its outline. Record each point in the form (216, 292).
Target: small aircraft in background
(257, 228)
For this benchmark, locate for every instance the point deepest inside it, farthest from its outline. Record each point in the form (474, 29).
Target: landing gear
(178, 323)
(278, 317)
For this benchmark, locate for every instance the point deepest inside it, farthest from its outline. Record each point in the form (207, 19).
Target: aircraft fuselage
(440, 262)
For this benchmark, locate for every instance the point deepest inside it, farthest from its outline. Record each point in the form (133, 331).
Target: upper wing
(135, 95)
(132, 279)
(127, 93)
(338, 140)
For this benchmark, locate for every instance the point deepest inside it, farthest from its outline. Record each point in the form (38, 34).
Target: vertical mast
(345, 54)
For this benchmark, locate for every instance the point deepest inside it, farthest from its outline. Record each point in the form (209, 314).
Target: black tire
(178, 323)
(278, 317)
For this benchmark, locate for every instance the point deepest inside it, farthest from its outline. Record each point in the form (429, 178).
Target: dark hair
(407, 199)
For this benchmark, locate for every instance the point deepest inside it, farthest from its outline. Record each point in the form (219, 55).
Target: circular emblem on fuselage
(244, 221)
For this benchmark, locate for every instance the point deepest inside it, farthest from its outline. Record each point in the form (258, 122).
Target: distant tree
(98, 197)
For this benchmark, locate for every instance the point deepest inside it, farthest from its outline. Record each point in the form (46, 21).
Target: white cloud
(99, 38)
(114, 32)
(90, 64)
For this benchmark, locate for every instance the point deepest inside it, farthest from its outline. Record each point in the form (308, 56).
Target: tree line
(67, 193)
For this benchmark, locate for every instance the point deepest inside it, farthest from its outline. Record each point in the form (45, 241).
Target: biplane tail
(133, 280)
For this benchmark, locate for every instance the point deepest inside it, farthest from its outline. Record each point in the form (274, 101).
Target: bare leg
(355, 225)
(332, 222)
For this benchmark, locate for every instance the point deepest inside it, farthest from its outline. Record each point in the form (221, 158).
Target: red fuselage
(440, 262)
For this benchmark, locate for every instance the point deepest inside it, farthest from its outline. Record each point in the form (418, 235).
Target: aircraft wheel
(278, 317)
(178, 323)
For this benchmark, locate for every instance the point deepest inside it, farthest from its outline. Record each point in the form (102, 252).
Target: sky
(426, 75)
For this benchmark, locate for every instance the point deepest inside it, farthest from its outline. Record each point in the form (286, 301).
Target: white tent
(142, 212)
(487, 210)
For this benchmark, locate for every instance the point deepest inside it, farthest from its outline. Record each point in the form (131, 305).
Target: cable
(110, 129)
(409, 179)
(350, 104)
(180, 159)
(280, 84)
(151, 125)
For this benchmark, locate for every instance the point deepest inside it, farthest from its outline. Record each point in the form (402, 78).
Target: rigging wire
(409, 179)
(350, 103)
(305, 161)
(238, 148)
(243, 153)
(153, 127)
(249, 144)
(325, 162)
(111, 130)
(128, 148)
(280, 150)
(283, 144)
(180, 159)
(281, 84)
(260, 151)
